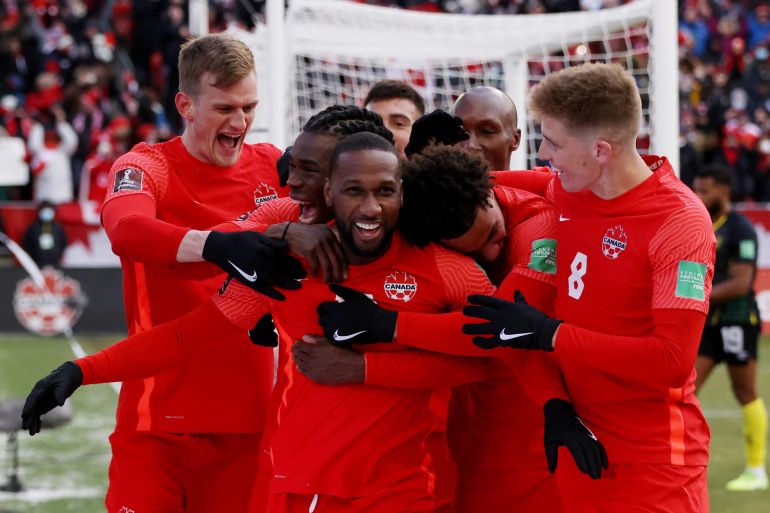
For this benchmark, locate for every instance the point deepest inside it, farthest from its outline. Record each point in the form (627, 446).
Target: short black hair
(388, 89)
(444, 188)
(341, 121)
(717, 172)
(361, 141)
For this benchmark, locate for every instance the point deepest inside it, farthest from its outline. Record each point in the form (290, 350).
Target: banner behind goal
(333, 51)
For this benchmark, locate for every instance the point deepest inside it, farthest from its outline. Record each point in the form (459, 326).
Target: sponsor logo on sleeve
(747, 249)
(614, 242)
(400, 286)
(264, 193)
(691, 280)
(128, 179)
(543, 256)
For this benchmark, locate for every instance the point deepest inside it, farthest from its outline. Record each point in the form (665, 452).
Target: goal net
(333, 51)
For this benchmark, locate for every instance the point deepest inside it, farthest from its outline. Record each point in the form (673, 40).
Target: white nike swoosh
(342, 338)
(505, 336)
(250, 277)
(562, 218)
(590, 433)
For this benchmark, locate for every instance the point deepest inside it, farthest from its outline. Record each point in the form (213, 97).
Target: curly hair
(444, 187)
(341, 121)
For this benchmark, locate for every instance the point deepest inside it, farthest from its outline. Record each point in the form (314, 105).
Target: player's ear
(515, 140)
(602, 151)
(184, 105)
(328, 193)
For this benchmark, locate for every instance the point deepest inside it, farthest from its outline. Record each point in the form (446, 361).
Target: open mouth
(368, 230)
(229, 141)
(308, 212)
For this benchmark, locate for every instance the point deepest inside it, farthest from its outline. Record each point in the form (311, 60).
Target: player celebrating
(489, 115)
(399, 105)
(205, 177)
(633, 292)
(353, 447)
(732, 326)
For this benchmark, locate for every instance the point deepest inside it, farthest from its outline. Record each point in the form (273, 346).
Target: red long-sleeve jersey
(633, 278)
(354, 440)
(156, 193)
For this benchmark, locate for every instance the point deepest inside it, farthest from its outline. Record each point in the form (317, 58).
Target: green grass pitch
(65, 470)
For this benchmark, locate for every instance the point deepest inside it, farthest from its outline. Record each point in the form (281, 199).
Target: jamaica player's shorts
(734, 344)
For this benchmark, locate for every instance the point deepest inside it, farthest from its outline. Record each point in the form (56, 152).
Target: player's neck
(620, 175)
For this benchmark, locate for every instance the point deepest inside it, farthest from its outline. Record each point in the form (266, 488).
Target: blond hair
(226, 58)
(590, 97)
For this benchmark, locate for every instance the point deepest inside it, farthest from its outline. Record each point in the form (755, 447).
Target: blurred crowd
(81, 81)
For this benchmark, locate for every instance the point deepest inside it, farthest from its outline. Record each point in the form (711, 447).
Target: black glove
(357, 320)
(564, 427)
(282, 166)
(437, 127)
(257, 261)
(48, 393)
(263, 333)
(510, 324)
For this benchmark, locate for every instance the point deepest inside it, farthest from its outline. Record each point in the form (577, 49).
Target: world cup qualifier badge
(400, 286)
(263, 193)
(128, 179)
(614, 242)
(49, 311)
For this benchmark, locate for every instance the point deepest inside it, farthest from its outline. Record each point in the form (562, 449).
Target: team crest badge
(264, 193)
(400, 286)
(614, 242)
(52, 311)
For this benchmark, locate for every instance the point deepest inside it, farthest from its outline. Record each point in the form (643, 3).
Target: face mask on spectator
(46, 215)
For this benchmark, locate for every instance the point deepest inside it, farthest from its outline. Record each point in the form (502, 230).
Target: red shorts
(635, 489)
(191, 473)
(494, 491)
(389, 501)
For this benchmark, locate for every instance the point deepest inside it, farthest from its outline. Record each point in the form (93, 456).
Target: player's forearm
(191, 246)
(535, 181)
(441, 333)
(423, 369)
(136, 357)
(665, 358)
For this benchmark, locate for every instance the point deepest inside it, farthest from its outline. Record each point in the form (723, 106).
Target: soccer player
(399, 105)
(182, 443)
(636, 255)
(337, 448)
(495, 429)
(489, 115)
(732, 326)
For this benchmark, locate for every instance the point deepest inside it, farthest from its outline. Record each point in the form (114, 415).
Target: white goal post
(322, 52)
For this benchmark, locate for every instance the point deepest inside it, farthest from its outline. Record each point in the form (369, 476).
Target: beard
(715, 208)
(346, 234)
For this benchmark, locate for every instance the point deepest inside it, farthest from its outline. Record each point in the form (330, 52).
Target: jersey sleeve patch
(543, 256)
(747, 249)
(691, 280)
(128, 179)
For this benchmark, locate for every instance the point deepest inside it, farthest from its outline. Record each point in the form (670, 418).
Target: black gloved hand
(257, 261)
(437, 127)
(564, 427)
(510, 324)
(356, 320)
(48, 393)
(263, 333)
(282, 166)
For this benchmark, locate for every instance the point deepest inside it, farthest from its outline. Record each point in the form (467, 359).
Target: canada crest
(614, 242)
(49, 311)
(265, 192)
(400, 286)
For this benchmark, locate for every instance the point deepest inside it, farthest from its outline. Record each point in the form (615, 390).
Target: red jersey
(356, 440)
(624, 266)
(189, 194)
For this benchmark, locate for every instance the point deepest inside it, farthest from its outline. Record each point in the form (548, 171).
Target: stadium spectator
(731, 334)
(45, 239)
(51, 144)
